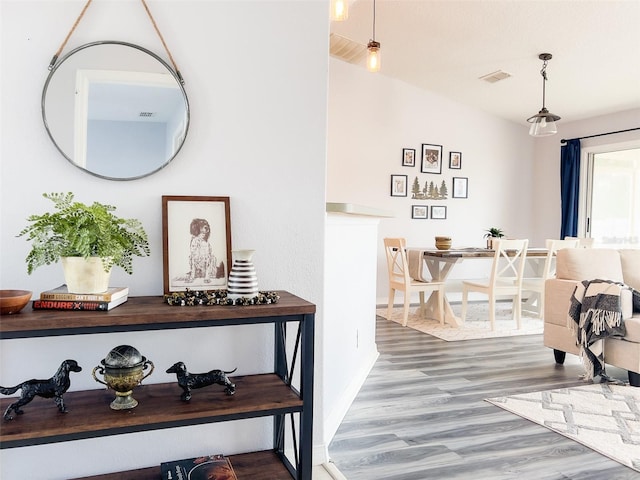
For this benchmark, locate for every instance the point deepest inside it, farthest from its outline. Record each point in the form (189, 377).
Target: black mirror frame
(177, 78)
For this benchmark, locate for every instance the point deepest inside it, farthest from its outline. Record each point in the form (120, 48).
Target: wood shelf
(265, 465)
(159, 407)
(147, 313)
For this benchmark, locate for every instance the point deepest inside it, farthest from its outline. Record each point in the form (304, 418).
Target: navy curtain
(569, 187)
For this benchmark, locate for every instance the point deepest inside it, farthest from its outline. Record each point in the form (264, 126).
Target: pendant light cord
(153, 22)
(543, 72)
(374, 20)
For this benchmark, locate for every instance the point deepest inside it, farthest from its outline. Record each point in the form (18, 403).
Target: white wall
(350, 348)
(256, 77)
(372, 118)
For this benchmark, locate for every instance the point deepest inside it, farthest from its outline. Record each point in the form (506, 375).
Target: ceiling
(445, 46)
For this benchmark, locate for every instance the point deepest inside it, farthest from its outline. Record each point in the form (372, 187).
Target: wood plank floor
(421, 414)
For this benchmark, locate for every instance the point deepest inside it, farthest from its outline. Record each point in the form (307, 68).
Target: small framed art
(196, 240)
(408, 157)
(438, 212)
(419, 211)
(460, 187)
(431, 158)
(455, 160)
(398, 185)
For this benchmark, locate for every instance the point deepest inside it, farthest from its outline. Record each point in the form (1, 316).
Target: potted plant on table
(492, 233)
(88, 239)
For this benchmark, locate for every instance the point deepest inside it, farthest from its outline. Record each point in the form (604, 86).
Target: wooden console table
(268, 394)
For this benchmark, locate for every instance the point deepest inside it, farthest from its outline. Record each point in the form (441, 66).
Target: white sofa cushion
(632, 325)
(589, 264)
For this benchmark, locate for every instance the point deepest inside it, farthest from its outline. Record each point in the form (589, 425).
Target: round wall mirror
(116, 110)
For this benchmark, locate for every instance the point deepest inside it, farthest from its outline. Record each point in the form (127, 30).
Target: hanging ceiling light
(544, 123)
(373, 57)
(339, 10)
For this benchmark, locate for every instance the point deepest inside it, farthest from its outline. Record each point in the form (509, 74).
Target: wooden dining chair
(536, 284)
(400, 280)
(505, 279)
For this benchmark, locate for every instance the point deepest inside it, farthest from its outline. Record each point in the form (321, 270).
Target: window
(610, 212)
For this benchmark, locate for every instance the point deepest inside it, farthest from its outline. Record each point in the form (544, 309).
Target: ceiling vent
(347, 50)
(495, 76)
(147, 114)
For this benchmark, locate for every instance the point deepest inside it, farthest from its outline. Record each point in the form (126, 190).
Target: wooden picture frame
(196, 243)
(408, 157)
(431, 158)
(455, 160)
(460, 187)
(398, 185)
(438, 212)
(419, 211)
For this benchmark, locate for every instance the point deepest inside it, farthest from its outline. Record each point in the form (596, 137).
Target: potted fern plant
(87, 239)
(492, 233)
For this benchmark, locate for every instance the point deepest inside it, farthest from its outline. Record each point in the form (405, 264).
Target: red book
(77, 304)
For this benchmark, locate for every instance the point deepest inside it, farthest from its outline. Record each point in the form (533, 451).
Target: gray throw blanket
(595, 313)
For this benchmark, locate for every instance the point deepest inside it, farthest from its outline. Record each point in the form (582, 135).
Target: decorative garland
(191, 298)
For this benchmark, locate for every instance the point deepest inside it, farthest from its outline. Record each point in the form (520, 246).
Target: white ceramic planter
(85, 275)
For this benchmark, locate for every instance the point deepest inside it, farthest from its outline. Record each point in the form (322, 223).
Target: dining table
(441, 262)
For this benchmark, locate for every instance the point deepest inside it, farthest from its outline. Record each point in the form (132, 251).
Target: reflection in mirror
(115, 110)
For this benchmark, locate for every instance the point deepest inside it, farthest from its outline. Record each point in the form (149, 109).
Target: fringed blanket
(595, 313)
(415, 258)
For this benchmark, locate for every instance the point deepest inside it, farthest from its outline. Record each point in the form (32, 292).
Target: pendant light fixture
(543, 123)
(339, 10)
(373, 56)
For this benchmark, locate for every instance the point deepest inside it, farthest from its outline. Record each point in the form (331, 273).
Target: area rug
(476, 325)
(603, 417)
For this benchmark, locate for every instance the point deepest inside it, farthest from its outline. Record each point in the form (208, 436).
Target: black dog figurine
(189, 381)
(54, 388)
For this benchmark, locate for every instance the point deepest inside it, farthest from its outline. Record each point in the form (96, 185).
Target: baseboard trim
(333, 471)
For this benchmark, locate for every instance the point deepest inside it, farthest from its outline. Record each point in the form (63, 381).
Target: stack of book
(213, 467)
(60, 299)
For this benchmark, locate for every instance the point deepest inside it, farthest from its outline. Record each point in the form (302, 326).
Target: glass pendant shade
(373, 56)
(339, 10)
(543, 124)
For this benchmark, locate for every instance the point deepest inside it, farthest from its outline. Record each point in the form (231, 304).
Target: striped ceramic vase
(243, 281)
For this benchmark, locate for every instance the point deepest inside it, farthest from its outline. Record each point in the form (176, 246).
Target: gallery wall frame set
(196, 241)
(421, 212)
(431, 159)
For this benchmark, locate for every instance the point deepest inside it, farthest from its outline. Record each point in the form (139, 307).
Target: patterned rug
(476, 325)
(603, 417)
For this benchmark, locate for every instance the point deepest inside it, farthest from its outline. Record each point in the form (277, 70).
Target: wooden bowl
(443, 243)
(12, 301)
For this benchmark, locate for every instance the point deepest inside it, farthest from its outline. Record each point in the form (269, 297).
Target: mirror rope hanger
(153, 22)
